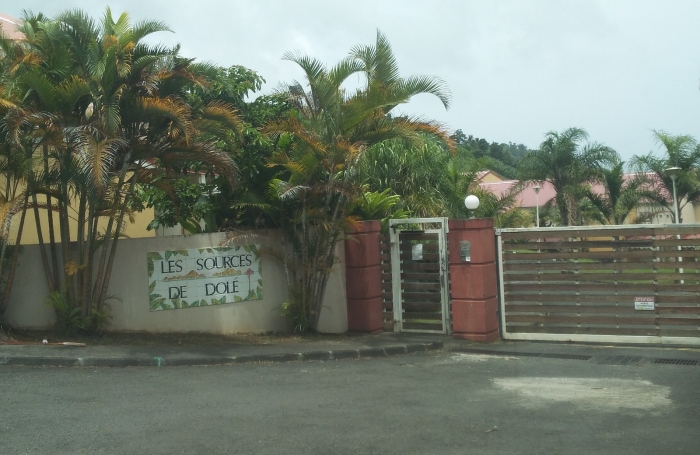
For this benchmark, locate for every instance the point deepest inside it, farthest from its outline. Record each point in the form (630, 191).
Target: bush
(69, 318)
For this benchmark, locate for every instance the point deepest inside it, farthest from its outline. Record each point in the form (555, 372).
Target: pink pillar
(473, 284)
(363, 278)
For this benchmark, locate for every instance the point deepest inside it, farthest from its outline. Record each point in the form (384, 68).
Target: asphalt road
(434, 403)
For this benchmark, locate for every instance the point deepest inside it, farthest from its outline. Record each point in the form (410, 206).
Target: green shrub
(69, 318)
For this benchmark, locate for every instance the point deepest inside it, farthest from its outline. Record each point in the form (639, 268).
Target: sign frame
(197, 277)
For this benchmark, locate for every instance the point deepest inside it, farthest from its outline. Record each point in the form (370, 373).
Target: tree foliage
(681, 151)
(569, 165)
(319, 145)
(101, 112)
(621, 196)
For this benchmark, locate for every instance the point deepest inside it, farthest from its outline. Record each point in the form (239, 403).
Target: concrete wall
(129, 285)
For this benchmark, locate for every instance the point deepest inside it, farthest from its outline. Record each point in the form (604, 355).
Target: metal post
(675, 209)
(675, 199)
(673, 173)
(537, 203)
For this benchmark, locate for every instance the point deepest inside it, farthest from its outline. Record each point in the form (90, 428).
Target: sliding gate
(416, 292)
(631, 284)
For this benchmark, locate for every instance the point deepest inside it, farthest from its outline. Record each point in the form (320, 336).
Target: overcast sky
(516, 68)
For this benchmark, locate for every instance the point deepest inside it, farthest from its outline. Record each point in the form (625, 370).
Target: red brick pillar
(473, 284)
(363, 278)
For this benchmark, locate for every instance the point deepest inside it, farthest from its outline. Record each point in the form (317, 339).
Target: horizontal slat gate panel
(596, 298)
(618, 255)
(636, 290)
(423, 276)
(623, 245)
(436, 315)
(420, 282)
(423, 326)
(605, 320)
(422, 306)
(407, 248)
(420, 297)
(433, 287)
(432, 257)
(604, 277)
(639, 233)
(599, 309)
(512, 266)
(607, 245)
(605, 331)
(584, 281)
(412, 237)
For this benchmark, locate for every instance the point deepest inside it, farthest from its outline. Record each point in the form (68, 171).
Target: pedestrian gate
(418, 284)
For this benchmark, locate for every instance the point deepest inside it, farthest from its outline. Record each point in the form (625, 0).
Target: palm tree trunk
(563, 211)
(97, 291)
(80, 251)
(89, 258)
(65, 242)
(326, 259)
(15, 256)
(5, 237)
(50, 282)
(113, 250)
(49, 214)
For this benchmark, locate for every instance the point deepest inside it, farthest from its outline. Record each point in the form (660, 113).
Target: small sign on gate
(417, 252)
(644, 303)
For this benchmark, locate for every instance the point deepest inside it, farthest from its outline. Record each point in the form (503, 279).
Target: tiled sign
(204, 276)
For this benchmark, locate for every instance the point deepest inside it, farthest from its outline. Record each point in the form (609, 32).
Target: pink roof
(528, 198)
(9, 25)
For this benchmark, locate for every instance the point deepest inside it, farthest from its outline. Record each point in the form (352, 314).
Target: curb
(339, 354)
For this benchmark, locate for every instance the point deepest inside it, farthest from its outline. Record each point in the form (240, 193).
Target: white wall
(129, 284)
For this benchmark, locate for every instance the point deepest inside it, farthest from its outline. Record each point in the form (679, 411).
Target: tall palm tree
(680, 151)
(320, 145)
(568, 165)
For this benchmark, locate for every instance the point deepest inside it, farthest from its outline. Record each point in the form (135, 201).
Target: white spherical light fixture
(471, 202)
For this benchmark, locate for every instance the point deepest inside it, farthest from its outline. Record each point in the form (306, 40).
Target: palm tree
(621, 196)
(320, 145)
(568, 165)
(109, 113)
(680, 151)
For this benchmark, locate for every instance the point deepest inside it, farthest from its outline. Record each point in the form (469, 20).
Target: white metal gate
(420, 275)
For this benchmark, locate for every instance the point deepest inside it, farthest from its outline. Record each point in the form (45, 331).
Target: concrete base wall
(129, 287)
